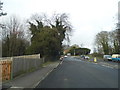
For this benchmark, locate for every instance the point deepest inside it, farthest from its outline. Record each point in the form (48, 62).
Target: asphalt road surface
(76, 73)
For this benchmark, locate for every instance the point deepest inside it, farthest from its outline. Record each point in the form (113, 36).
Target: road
(106, 63)
(76, 73)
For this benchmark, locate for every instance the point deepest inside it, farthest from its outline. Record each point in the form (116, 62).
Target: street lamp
(74, 52)
(2, 13)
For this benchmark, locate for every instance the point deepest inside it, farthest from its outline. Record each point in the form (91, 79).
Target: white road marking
(17, 87)
(107, 66)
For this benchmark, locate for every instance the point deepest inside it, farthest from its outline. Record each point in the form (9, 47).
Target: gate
(5, 66)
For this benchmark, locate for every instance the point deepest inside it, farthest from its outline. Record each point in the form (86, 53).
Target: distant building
(66, 51)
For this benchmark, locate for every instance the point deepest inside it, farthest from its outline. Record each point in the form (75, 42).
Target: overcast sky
(88, 17)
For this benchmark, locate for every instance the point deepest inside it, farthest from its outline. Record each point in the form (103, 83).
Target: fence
(24, 64)
(15, 66)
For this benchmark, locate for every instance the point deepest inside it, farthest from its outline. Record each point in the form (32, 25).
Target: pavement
(30, 80)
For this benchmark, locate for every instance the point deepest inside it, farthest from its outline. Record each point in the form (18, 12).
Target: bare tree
(114, 41)
(62, 23)
(102, 41)
(107, 42)
(13, 39)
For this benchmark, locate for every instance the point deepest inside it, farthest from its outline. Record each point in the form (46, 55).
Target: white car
(86, 57)
(65, 56)
(107, 57)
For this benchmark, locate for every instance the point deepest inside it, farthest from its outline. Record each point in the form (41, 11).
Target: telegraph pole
(1, 27)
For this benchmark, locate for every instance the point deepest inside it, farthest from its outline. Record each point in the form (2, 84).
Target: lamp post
(1, 28)
(2, 13)
(74, 52)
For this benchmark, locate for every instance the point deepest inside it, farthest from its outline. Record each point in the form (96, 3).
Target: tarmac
(30, 80)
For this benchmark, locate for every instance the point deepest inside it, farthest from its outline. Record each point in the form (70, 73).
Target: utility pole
(1, 27)
(1, 12)
(118, 27)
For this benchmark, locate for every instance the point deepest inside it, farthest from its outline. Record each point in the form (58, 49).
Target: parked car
(68, 54)
(107, 57)
(61, 58)
(116, 57)
(82, 56)
(86, 57)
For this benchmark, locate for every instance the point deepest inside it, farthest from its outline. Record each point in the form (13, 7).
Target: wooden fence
(11, 67)
(5, 66)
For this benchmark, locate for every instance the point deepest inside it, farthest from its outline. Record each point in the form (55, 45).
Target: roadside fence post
(11, 68)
